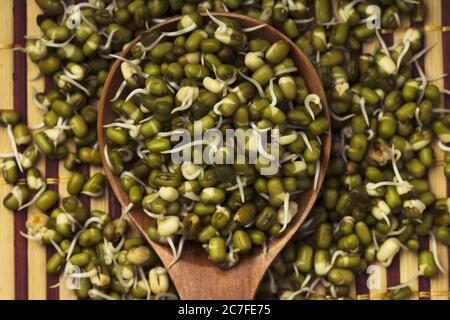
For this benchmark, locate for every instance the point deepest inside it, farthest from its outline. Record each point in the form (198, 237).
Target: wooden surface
(22, 262)
(194, 276)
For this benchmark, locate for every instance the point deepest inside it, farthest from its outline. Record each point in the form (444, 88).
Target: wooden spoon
(194, 276)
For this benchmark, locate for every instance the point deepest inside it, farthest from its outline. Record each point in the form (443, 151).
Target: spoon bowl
(194, 275)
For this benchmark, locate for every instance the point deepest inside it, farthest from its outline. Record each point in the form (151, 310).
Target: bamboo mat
(22, 262)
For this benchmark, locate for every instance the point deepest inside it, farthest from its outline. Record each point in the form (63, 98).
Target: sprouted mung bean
(384, 159)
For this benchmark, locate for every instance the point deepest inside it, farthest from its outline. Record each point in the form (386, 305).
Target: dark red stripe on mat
(424, 283)
(51, 171)
(20, 106)
(115, 209)
(446, 52)
(393, 271)
(421, 61)
(84, 169)
(361, 283)
(85, 199)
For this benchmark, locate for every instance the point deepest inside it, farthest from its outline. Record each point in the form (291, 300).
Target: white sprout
(312, 98)
(255, 83)
(272, 93)
(91, 220)
(295, 293)
(81, 275)
(264, 196)
(336, 255)
(397, 18)
(396, 232)
(6, 155)
(422, 52)
(305, 138)
(71, 76)
(74, 83)
(265, 247)
(445, 91)
(331, 23)
(434, 250)
(172, 246)
(14, 146)
(382, 43)
(93, 194)
(108, 43)
(219, 123)
(316, 174)
(272, 284)
(122, 282)
(423, 85)
(374, 240)
(192, 27)
(34, 199)
(151, 199)
(154, 216)
(255, 28)
(51, 44)
(405, 284)
(146, 119)
(341, 119)
(191, 196)
(443, 147)
(256, 133)
(313, 285)
(222, 25)
(435, 78)
(338, 226)
(120, 125)
(142, 183)
(258, 130)
(417, 116)
(94, 293)
(304, 21)
(289, 158)
(348, 7)
(285, 211)
(144, 280)
(186, 146)
(216, 107)
(36, 102)
(189, 94)
(72, 245)
(241, 188)
(136, 92)
(362, 105)
(134, 66)
(179, 251)
(140, 150)
(285, 71)
(107, 159)
(31, 237)
(407, 39)
(85, 20)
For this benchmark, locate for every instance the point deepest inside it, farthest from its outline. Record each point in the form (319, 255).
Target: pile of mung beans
(211, 74)
(376, 200)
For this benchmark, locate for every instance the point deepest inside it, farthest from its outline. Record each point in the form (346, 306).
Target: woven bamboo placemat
(22, 262)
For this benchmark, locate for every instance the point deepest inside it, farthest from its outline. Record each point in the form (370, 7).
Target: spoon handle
(198, 279)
